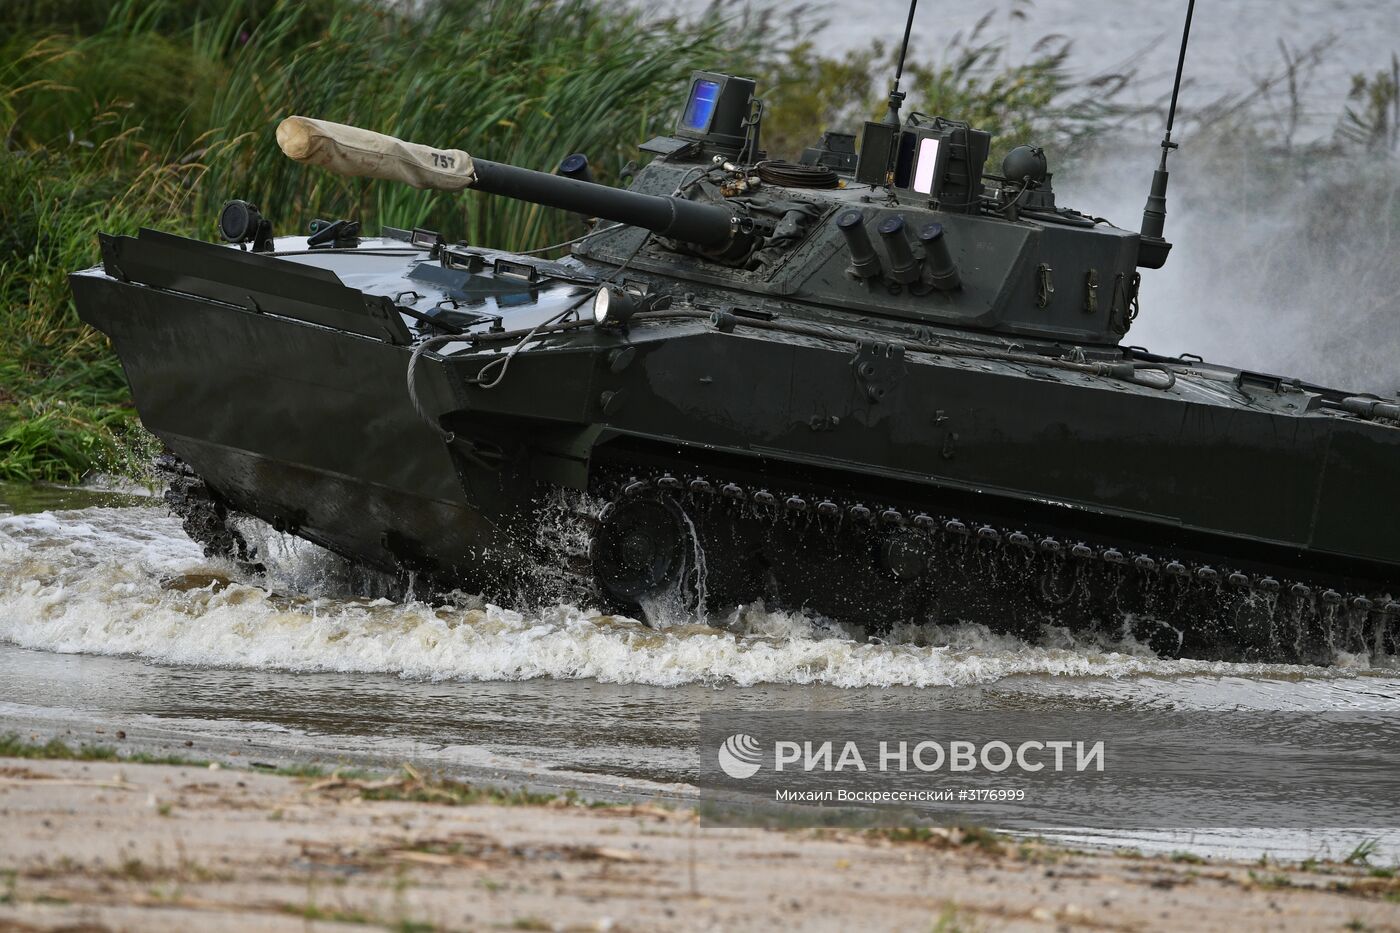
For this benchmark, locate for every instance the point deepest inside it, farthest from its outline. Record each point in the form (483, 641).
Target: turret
(910, 227)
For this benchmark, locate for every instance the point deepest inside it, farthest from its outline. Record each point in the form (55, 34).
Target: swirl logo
(739, 756)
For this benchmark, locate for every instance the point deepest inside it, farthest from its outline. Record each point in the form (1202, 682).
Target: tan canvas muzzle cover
(357, 153)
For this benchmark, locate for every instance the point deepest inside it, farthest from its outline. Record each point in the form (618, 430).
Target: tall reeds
(153, 113)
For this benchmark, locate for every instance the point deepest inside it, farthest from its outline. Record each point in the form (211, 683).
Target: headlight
(239, 222)
(613, 307)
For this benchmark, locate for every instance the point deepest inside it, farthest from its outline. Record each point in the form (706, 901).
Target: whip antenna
(896, 95)
(1154, 215)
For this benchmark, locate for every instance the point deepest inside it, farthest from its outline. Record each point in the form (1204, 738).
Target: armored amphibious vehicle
(882, 383)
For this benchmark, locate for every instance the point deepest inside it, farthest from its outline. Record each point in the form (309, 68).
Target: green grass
(1361, 855)
(13, 746)
(314, 914)
(412, 787)
(979, 837)
(1277, 880)
(305, 770)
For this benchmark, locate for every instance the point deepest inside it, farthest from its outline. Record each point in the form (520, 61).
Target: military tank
(881, 383)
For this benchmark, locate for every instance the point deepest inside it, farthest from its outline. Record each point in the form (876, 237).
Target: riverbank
(115, 845)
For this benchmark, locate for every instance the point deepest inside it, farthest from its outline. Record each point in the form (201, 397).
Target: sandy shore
(116, 846)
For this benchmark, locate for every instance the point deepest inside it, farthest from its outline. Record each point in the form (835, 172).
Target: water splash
(126, 581)
(682, 604)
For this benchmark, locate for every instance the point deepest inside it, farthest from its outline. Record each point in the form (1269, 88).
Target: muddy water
(110, 618)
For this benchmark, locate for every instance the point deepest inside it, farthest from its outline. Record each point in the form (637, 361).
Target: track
(881, 562)
(721, 540)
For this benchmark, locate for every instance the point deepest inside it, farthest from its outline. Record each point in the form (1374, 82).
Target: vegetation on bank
(14, 746)
(153, 112)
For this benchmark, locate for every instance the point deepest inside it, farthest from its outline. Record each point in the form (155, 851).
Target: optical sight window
(704, 95)
(923, 168)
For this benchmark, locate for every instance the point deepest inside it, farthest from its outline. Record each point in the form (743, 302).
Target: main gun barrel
(357, 153)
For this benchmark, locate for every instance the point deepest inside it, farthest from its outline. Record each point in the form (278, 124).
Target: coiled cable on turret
(796, 175)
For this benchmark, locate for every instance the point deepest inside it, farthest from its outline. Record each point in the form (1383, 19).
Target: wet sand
(110, 845)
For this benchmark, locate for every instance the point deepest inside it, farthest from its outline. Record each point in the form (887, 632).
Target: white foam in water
(127, 581)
